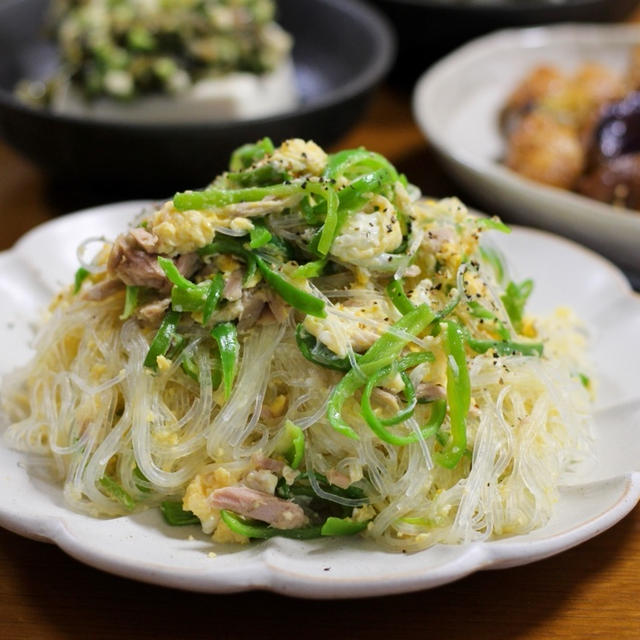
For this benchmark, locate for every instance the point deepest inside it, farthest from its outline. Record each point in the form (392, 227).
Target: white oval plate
(143, 547)
(456, 104)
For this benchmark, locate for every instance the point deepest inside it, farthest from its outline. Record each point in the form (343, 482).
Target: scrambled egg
(366, 236)
(299, 157)
(197, 493)
(181, 232)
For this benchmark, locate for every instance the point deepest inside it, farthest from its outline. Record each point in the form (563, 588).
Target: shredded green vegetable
(130, 302)
(80, 276)
(226, 336)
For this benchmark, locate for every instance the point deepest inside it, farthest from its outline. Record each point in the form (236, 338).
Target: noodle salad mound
(304, 349)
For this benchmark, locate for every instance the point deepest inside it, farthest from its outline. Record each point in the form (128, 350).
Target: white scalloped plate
(456, 104)
(144, 548)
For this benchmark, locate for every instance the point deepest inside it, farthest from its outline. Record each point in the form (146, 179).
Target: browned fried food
(616, 181)
(546, 150)
(541, 82)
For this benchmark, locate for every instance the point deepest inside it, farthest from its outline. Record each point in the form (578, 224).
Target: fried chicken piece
(540, 83)
(546, 150)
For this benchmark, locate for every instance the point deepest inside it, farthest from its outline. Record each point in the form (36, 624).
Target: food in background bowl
(306, 349)
(173, 60)
(578, 131)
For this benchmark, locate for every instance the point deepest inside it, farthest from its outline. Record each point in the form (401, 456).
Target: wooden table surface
(592, 591)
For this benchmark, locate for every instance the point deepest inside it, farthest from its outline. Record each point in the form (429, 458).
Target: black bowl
(343, 48)
(428, 29)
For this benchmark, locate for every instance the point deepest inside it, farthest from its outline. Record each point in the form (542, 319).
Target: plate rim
(259, 572)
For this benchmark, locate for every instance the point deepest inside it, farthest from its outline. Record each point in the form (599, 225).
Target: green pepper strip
(141, 481)
(310, 269)
(478, 311)
(117, 492)
(297, 298)
(259, 177)
(330, 226)
(339, 163)
(298, 488)
(399, 366)
(247, 154)
(316, 352)
(130, 301)
(292, 444)
(350, 197)
(353, 195)
(175, 515)
(215, 197)
(514, 300)
(458, 397)
(438, 411)
(395, 291)
(162, 340)
(226, 335)
(276, 250)
(216, 287)
(262, 531)
(506, 347)
(227, 245)
(188, 296)
(331, 527)
(191, 369)
(494, 224)
(259, 235)
(192, 299)
(79, 277)
(584, 380)
(173, 275)
(342, 527)
(380, 354)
